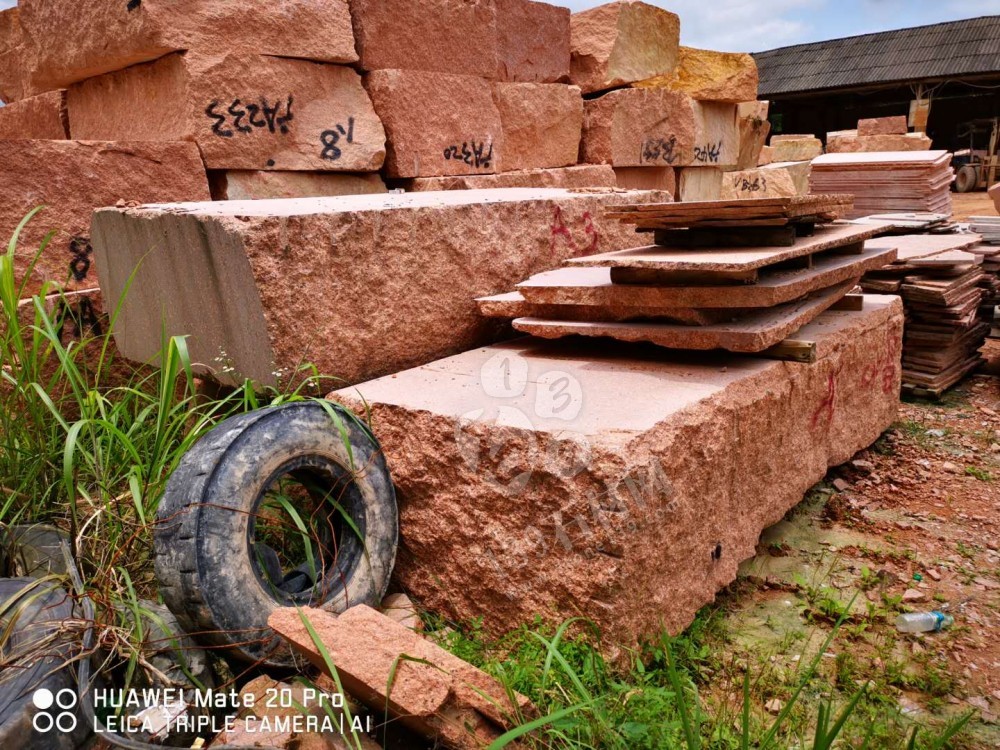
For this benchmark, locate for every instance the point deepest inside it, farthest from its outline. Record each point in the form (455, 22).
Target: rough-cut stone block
(647, 178)
(244, 112)
(385, 282)
(542, 124)
(80, 40)
(518, 469)
(847, 143)
(699, 184)
(533, 41)
(766, 156)
(622, 43)
(883, 126)
(795, 147)
(71, 179)
(797, 171)
(437, 124)
(581, 176)
(994, 193)
(757, 183)
(751, 121)
(41, 117)
(711, 76)
(241, 185)
(17, 58)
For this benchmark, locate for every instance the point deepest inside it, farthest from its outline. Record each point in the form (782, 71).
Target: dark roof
(942, 50)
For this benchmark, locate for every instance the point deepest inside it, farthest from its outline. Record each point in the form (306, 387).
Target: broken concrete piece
(533, 42)
(883, 126)
(541, 122)
(711, 76)
(647, 178)
(437, 124)
(846, 143)
(795, 147)
(581, 176)
(699, 184)
(37, 117)
(556, 500)
(753, 127)
(80, 40)
(251, 281)
(621, 43)
(239, 185)
(244, 112)
(757, 183)
(71, 179)
(389, 667)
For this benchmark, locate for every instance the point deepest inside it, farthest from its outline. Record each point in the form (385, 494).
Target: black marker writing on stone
(331, 138)
(219, 121)
(80, 249)
(133, 5)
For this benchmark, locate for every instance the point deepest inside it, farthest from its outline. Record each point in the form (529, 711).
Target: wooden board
(752, 333)
(592, 286)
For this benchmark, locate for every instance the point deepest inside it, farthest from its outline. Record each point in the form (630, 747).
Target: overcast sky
(756, 25)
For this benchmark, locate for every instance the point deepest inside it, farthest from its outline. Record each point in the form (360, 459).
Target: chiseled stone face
(40, 117)
(361, 286)
(795, 148)
(244, 112)
(840, 144)
(85, 38)
(245, 185)
(619, 483)
(883, 126)
(579, 176)
(621, 43)
(542, 124)
(711, 76)
(71, 179)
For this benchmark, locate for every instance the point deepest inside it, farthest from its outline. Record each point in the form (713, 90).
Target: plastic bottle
(924, 622)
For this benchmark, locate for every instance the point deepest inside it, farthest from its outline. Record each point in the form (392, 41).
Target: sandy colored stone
(883, 126)
(433, 692)
(795, 147)
(37, 117)
(244, 112)
(400, 608)
(71, 179)
(621, 43)
(711, 76)
(512, 305)
(699, 184)
(766, 156)
(533, 41)
(798, 171)
(246, 185)
(542, 124)
(757, 183)
(17, 58)
(994, 193)
(838, 144)
(647, 178)
(254, 279)
(753, 126)
(80, 40)
(437, 124)
(633, 518)
(580, 176)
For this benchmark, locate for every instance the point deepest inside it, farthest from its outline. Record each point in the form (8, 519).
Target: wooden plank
(750, 334)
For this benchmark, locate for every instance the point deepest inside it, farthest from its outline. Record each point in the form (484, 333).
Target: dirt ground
(965, 205)
(910, 525)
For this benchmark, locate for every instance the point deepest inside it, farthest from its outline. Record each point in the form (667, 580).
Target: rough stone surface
(437, 124)
(699, 184)
(647, 178)
(757, 183)
(533, 41)
(658, 128)
(883, 126)
(751, 121)
(766, 156)
(400, 608)
(17, 58)
(37, 117)
(994, 193)
(622, 43)
(635, 517)
(847, 143)
(433, 692)
(581, 176)
(711, 76)
(541, 122)
(795, 147)
(80, 40)
(244, 112)
(245, 185)
(71, 179)
(254, 278)
(798, 171)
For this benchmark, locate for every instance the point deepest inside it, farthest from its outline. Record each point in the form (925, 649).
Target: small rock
(400, 608)
(986, 583)
(866, 466)
(950, 468)
(936, 433)
(913, 595)
(934, 574)
(840, 485)
(773, 706)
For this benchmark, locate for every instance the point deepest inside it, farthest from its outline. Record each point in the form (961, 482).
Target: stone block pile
(877, 134)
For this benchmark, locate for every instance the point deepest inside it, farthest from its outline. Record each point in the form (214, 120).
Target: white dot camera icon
(46, 719)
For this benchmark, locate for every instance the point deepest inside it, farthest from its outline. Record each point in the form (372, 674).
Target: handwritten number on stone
(475, 155)
(331, 138)
(218, 126)
(80, 249)
(247, 117)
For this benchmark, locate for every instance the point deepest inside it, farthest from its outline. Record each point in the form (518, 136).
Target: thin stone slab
(528, 489)
(593, 286)
(750, 333)
(361, 286)
(581, 176)
(514, 305)
(914, 246)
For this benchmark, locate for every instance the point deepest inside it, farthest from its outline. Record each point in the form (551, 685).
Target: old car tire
(215, 573)
(966, 179)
